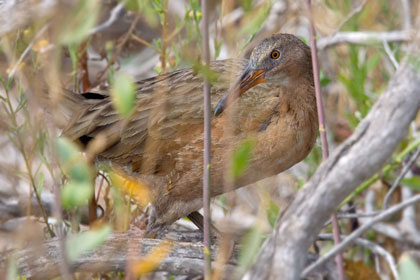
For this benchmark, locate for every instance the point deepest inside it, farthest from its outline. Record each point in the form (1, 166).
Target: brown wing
(167, 107)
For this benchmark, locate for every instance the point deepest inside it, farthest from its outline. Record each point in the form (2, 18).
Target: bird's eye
(275, 54)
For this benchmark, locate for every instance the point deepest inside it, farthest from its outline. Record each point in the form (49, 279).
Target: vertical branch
(322, 129)
(84, 82)
(165, 24)
(207, 144)
(406, 14)
(63, 262)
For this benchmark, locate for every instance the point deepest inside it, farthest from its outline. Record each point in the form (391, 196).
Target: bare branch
(352, 13)
(363, 38)
(391, 55)
(113, 16)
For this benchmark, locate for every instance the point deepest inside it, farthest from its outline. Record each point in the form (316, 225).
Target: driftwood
(283, 254)
(42, 262)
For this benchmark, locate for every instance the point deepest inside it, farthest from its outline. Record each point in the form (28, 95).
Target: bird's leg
(198, 220)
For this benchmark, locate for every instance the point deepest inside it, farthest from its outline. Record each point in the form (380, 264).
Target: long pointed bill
(248, 79)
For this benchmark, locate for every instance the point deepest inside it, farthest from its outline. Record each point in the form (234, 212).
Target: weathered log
(42, 262)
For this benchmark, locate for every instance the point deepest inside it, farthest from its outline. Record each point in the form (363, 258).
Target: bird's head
(279, 60)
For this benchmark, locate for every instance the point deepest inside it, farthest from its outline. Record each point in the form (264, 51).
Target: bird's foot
(146, 222)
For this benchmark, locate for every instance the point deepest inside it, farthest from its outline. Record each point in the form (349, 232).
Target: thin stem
(21, 146)
(144, 42)
(113, 16)
(26, 51)
(207, 145)
(165, 25)
(400, 177)
(322, 130)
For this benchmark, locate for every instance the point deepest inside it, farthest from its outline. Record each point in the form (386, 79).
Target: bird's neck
(301, 89)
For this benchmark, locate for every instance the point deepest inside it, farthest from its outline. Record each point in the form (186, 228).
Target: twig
(322, 130)
(408, 220)
(353, 236)
(364, 38)
(118, 49)
(390, 55)
(353, 216)
(352, 13)
(207, 146)
(113, 16)
(21, 147)
(400, 177)
(144, 42)
(163, 41)
(356, 215)
(26, 51)
(375, 248)
(62, 254)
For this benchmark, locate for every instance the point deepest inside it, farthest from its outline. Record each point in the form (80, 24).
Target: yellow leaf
(20, 66)
(39, 45)
(133, 187)
(153, 259)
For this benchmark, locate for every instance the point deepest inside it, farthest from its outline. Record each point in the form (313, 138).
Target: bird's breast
(283, 130)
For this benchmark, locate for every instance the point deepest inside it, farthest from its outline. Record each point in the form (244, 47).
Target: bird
(268, 98)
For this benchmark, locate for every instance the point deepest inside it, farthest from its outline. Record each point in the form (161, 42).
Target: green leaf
(246, 5)
(40, 184)
(72, 162)
(123, 94)
(251, 244)
(66, 149)
(258, 18)
(413, 182)
(205, 72)
(75, 194)
(12, 270)
(80, 22)
(86, 241)
(373, 62)
(80, 172)
(272, 213)
(410, 147)
(408, 269)
(324, 79)
(146, 8)
(241, 157)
